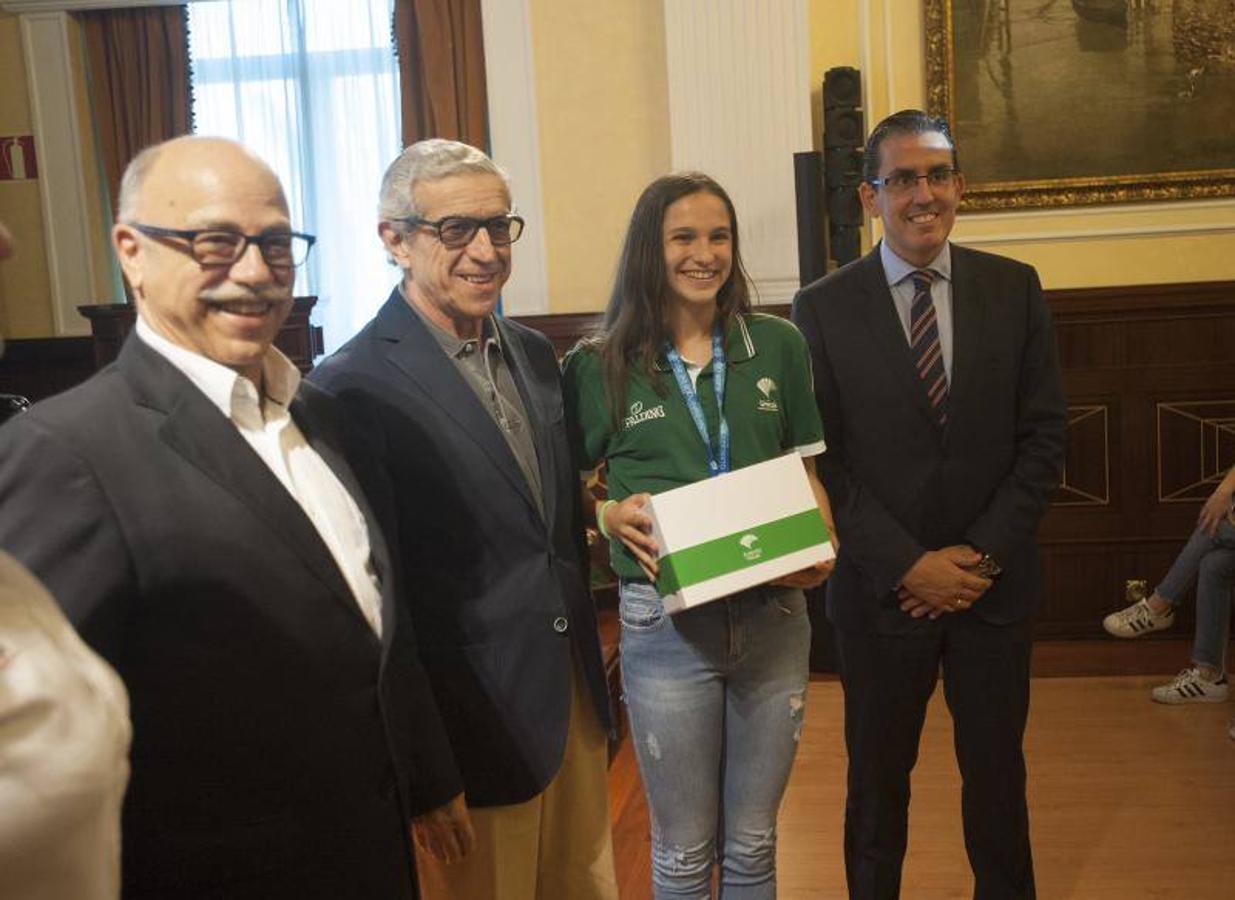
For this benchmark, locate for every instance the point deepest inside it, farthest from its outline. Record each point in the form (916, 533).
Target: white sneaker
(1137, 620)
(1190, 686)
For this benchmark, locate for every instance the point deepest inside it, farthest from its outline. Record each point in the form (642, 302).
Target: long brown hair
(635, 330)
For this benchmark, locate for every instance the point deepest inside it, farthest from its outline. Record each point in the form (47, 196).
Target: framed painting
(1071, 102)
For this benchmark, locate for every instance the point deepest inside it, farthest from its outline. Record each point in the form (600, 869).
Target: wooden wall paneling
(1085, 579)
(563, 330)
(1150, 377)
(1148, 373)
(1160, 362)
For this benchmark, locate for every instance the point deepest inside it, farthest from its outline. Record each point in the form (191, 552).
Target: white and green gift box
(744, 528)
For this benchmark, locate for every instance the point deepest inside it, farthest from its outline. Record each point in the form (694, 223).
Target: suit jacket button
(560, 624)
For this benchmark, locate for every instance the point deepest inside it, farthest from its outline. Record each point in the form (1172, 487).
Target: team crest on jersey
(768, 401)
(639, 414)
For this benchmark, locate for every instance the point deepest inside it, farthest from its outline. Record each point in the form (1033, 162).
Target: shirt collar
(453, 345)
(897, 270)
(739, 345)
(221, 385)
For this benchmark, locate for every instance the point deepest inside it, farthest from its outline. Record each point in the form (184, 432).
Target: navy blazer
(496, 590)
(900, 484)
(279, 747)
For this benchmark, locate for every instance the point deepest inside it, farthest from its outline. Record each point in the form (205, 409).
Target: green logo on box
(740, 550)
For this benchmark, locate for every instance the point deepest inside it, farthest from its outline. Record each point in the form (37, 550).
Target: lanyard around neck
(718, 461)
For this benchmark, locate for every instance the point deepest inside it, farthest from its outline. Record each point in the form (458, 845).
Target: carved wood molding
(1154, 301)
(1160, 302)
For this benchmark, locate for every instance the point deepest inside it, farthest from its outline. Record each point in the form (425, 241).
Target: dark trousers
(888, 680)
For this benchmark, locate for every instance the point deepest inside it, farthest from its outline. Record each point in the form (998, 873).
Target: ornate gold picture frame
(1077, 102)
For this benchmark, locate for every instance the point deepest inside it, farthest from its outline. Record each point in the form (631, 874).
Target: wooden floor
(1128, 799)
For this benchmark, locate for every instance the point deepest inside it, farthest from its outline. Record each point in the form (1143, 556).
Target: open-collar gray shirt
(487, 371)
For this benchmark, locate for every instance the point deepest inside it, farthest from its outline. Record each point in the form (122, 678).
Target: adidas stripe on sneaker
(1137, 620)
(1189, 686)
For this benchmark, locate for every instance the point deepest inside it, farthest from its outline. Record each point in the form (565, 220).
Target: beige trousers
(556, 846)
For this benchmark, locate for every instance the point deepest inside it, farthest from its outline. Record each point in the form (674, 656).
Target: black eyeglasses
(904, 182)
(459, 231)
(214, 247)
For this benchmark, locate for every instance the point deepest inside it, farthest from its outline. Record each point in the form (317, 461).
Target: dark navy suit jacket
(901, 485)
(496, 590)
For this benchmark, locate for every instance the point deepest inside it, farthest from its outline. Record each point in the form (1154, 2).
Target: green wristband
(600, 519)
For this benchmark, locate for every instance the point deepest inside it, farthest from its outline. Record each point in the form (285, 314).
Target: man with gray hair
(465, 409)
(193, 511)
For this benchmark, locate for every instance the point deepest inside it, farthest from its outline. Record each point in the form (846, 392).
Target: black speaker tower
(808, 190)
(844, 134)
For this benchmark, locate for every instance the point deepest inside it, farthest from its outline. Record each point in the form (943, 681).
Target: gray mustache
(266, 295)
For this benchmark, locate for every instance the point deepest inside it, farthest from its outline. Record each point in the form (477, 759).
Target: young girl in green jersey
(684, 383)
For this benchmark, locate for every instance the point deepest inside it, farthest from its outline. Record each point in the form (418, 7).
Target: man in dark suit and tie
(191, 510)
(939, 387)
(465, 409)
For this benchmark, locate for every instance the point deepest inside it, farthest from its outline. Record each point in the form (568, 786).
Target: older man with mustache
(192, 510)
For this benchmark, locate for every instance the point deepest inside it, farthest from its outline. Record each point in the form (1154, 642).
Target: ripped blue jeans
(1210, 560)
(716, 697)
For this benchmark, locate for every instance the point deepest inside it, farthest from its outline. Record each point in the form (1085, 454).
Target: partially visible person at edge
(684, 375)
(64, 746)
(1208, 558)
(939, 387)
(464, 408)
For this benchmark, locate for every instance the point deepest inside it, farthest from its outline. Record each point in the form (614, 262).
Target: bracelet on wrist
(600, 518)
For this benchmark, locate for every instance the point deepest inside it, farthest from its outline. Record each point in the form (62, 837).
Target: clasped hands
(627, 521)
(942, 581)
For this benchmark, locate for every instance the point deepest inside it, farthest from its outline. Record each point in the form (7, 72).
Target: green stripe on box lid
(740, 550)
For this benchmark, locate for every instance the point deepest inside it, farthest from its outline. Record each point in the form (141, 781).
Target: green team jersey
(769, 405)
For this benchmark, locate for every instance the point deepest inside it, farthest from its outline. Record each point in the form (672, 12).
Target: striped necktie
(924, 340)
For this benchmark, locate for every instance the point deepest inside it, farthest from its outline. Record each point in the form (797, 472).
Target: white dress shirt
(266, 423)
(64, 752)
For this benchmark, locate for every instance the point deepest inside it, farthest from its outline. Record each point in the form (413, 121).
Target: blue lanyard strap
(718, 462)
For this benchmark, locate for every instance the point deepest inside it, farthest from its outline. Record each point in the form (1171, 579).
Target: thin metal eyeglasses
(904, 182)
(215, 247)
(459, 231)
